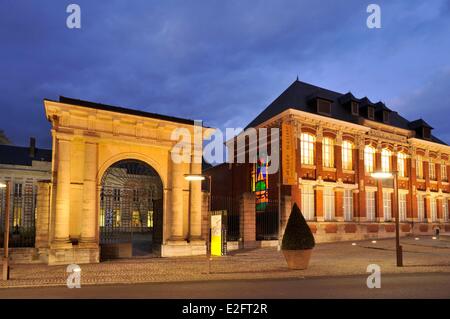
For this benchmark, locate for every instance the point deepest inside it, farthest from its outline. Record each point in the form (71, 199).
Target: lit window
(136, 219)
(348, 205)
(308, 202)
(385, 160)
(402, 206)
(347, 155)
(370, 205)
(432, 170)
(369, 158)
(433, 209)
(420, 208)
(444, 172)
(401, 164)
(328, 152)
(328, 201)
(387, 206)
(419, 167)
(307, 148)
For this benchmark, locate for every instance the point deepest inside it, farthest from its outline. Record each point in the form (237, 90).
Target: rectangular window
(370, 205)
(385, 160)
(348, 205)
(369, 159)
(370, 113)
(307, 148)
(433, 205)
(419, 167)
(432, 170)
(385, 116)
(323, 107)
(420, 208)
(18, 190)
(444, 172)
(347, 155)
(387, 206)
(401, 164)
(402, 206)
(308, 202)
(355, 108)
(328, 204)
(328, 152)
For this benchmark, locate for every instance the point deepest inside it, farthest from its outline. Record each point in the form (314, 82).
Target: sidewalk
(332, 259)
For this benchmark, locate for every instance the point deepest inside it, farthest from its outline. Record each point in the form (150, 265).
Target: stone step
(444, 236)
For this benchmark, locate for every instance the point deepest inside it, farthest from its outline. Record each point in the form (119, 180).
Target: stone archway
(131, 211)
(88, 139)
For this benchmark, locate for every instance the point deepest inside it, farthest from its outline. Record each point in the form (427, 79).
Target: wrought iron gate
(22, 214)
(131, 207)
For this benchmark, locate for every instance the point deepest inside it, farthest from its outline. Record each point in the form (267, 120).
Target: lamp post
(6, 234)
(199, 178)
(394, 176)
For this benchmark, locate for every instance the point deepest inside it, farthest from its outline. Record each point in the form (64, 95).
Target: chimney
(32, 147)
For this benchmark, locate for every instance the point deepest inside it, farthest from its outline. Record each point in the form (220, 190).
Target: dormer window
(385, 116)
(323, 107)
(355, 108)
(426, 132)
(371, 113)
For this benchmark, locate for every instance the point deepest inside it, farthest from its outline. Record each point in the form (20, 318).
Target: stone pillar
(62, 213)
(338, 156)
(43, 214)
(412, 196)
(360, 211)
(195, 204)
(177, 202)
(247, 222)
(439, 209)
(379, 194)
(427, 213)
(319, 203)
(286, 207)
(89, 213)
(319, 158)
(339, 203)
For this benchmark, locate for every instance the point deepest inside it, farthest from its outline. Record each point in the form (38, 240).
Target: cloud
(220, 61)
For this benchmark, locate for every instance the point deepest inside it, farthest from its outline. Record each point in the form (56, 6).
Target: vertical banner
(288, 154)
(216, 233)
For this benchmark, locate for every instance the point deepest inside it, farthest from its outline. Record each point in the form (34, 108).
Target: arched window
(386, 160)
(369, 158)
(307, 148)
(347, 155)
(401, 164)
(328, 152)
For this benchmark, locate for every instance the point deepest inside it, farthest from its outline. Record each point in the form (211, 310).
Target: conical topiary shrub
(298, 240)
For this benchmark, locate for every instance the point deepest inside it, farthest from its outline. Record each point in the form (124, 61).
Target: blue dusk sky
(219, 61)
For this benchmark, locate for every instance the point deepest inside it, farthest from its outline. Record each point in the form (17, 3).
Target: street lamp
(6, 234)
(199, 178)
(394, 176)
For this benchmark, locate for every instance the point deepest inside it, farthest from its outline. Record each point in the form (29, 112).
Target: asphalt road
(432, 285)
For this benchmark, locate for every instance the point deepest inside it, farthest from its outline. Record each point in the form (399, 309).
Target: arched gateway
(115, 190)
(131, 210)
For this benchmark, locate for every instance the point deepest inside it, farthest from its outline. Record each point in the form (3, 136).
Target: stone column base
(74, 255)
(183, 248)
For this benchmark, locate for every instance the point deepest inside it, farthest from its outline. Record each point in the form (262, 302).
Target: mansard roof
(298, 95)
(18, 155)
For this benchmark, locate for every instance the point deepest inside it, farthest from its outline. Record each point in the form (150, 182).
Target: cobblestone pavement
(333, 259)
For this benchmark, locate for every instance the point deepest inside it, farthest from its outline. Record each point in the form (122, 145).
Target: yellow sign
(288, 154)
(216, 235)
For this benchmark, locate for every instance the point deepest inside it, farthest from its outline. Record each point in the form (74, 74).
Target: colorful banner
(288, 154)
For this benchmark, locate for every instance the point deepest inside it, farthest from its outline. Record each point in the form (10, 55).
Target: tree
(297, 235)
(4, 139)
